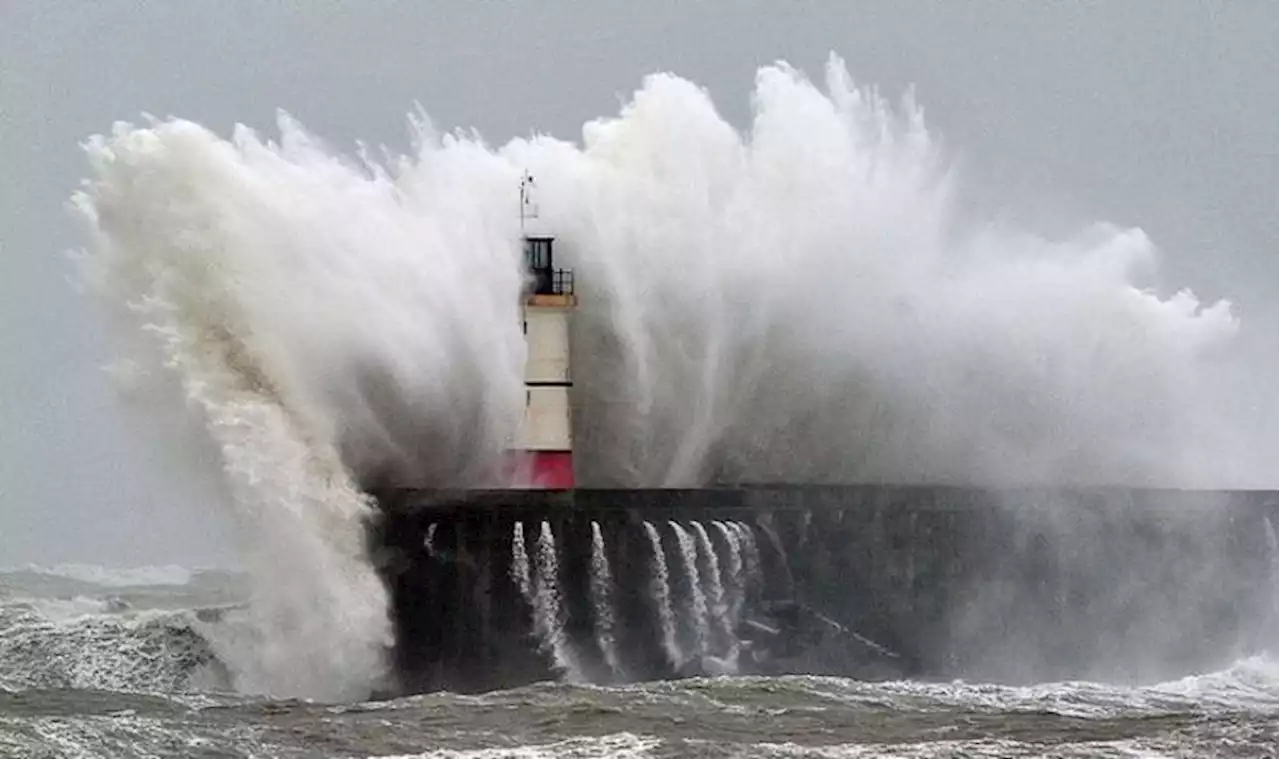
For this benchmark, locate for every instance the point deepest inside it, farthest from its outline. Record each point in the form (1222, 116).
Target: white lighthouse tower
(545, 440)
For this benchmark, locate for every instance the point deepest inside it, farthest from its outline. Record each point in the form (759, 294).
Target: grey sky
(1157, 114)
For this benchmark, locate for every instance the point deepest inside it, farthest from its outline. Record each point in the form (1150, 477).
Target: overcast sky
(1156, 114)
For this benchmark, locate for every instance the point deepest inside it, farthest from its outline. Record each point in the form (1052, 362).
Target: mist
(802, 302)
(1050, 118)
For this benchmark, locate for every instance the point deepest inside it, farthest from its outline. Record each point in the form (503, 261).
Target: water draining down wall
(602, 602)
(497, 589)
(542, 596)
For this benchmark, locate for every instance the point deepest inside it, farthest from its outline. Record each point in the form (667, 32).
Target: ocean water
(798, 301)
(108, 663)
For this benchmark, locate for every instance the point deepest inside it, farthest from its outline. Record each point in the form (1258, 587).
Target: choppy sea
(127, 663)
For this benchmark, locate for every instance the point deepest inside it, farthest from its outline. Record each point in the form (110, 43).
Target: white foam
(124, 734)
(70, 644)
(1249, 684)
(64, 609)
(614, 745)
(979, 748)
(793, 305)
(1253, 682)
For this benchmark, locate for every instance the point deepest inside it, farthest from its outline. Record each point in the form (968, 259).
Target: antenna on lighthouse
(528, 208)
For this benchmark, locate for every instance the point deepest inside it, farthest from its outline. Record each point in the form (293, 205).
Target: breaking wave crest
(93, 644)
(94, 677)
(797, 303)
(110, 577)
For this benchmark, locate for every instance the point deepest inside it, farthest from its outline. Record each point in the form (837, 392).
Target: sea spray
(660, 590)
(195, 241)
(697, 611)
(914, 331)
(919, 335)
(602, 600)
(332, 326)
(717, 605)
(318, 607)
(317, 604)
(547, 603)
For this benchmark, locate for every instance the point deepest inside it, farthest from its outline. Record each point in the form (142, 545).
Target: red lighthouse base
(542, 470)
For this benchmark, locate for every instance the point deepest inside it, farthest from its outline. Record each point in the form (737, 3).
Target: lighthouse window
(538, 254)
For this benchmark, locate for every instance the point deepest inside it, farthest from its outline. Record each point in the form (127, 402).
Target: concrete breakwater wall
(499, 588)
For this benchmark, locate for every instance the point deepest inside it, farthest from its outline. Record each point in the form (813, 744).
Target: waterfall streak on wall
(693, 582)
(602, 600)
(660, 590)
(716, 602)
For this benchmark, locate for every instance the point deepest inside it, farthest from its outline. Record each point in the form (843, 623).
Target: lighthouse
(544, 442)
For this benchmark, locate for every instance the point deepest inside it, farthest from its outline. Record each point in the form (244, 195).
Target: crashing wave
(148, 651)
(797, 303)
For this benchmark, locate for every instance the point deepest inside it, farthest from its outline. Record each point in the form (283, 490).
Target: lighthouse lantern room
(545, 440)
